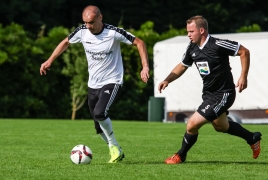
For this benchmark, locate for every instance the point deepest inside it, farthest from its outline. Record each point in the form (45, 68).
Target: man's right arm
(62, 46)
(175, 74)
(245, 62)
(141, 46)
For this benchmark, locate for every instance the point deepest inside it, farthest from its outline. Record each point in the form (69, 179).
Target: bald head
(91, 10)
(92, 18)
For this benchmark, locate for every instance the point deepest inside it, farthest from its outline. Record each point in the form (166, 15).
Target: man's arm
(175, 74)
(62, 46)
(144, 58)
(245, 62)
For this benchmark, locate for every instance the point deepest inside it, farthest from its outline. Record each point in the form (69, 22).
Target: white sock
(104, 138)
(106, 126)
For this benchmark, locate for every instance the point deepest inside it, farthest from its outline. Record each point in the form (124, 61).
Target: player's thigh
(195, 122)
(92, 99)
(221, 124)
(107, 95)
(215, 104)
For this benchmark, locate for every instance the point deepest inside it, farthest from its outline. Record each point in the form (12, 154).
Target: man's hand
(44, 67)
(145, 74)
(241, 84)
(162, 86)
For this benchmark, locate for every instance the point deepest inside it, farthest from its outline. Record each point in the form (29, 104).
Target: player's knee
(220, 129)
(98, 130)
(99, 115)
(192, 129)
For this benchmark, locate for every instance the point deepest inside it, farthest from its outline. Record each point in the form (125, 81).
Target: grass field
(39, 149)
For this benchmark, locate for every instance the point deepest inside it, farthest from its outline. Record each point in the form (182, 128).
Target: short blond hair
(200, 22)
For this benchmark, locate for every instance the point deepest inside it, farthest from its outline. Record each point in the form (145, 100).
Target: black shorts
(214, 104)
(100, 100)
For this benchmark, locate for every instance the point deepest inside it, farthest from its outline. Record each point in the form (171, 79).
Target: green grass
(39, 150)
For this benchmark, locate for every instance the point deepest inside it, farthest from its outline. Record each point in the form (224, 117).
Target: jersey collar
(201, 47)
(100, 31)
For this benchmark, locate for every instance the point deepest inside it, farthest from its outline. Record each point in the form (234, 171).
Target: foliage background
(30, 30)
(224, 16)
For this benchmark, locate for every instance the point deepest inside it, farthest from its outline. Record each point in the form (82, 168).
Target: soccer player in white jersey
(211, 57)
(102, 47)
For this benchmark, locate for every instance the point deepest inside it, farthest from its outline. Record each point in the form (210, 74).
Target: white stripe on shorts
(223, 101)
(112, 97)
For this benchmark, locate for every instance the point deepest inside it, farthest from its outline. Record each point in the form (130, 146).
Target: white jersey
(105, 65)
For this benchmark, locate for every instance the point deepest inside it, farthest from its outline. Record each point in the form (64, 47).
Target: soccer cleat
(256, 147)
(116, 153)
(175, 159)
(123, 155)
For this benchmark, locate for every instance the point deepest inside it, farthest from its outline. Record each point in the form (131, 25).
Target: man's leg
(92, 101)
(104, 138)
(106, 126)
(195, 122)
(253, 139)
(107, 96)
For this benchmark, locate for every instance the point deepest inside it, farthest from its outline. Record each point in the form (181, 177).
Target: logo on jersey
(203, 68)
(107, 91)
(193, 55)
(99, 56)
(110, 27)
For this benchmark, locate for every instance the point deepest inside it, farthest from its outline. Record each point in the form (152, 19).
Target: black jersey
(212, 62)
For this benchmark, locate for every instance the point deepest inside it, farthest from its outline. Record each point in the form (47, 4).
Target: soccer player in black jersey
(211, 57)
(101, 42)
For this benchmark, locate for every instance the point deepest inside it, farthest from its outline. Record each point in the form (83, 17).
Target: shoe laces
(255, 147)
(176, 158)
(114, 150)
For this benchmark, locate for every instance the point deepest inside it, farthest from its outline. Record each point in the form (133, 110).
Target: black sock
(237, 130)
(187, 142)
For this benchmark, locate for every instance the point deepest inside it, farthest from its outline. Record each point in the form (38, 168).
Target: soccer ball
(81, 154)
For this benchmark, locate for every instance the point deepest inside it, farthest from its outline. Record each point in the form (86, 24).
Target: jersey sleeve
(227, 47)
(124, 36)
(76, 35)
(186, 58)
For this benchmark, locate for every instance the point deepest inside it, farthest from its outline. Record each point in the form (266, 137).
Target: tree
(63, 91)
(17, 82)
(252, 28)
(224, 16)
(76, 69)
(24, 93)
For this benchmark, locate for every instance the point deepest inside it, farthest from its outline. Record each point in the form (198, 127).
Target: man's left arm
(144, 58)
(245, 62)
